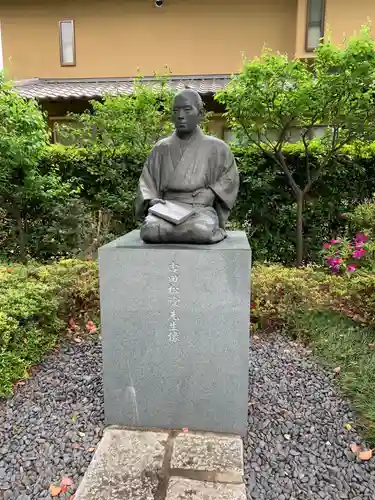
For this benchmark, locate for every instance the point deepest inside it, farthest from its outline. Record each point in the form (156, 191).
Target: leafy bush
(267, 210)
(75, 199)
(348, 255)
(274, 95)
(99, 204)
(279, 292)
(36, 303)
(132, 121)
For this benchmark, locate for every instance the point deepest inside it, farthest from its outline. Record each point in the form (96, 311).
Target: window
(67, 44)
(315, 23)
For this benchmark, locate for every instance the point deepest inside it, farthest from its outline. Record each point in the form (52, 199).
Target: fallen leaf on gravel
(348, 427)
(72, 324)
(66, 481)
(78, 340)
(337, 370)
(371, 345)
(54, 490)
(365, 455)
(21, 382)
(355, 448)
(91, 449)
(91, 327)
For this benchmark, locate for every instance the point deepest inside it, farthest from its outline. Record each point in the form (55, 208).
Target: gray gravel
(48, 429)
(298, 447)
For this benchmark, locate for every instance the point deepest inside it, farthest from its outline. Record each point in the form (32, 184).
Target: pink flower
(335, 269)
(336, 261)
(335, 242)
(361, 238)
(357, 254)
(351, 268)
(72, 324)
(327, 245)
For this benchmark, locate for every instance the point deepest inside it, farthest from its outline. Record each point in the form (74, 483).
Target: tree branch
(281, 161)
(307, 165)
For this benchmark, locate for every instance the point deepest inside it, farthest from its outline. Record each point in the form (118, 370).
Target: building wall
(115, 38)
(342, 18)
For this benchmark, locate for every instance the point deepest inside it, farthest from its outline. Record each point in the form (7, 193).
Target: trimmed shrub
(103, 188)
(36, 303)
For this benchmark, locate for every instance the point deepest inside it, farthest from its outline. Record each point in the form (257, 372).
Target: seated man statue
(191, 168)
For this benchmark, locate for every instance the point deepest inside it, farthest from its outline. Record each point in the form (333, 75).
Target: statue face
(186, 115)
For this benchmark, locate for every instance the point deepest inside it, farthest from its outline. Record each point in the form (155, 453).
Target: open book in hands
(171, 211)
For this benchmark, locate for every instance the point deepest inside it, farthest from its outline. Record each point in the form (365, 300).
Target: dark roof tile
(54, 89)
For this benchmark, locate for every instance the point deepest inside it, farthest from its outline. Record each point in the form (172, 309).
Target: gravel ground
(298, 446)
(49, 428)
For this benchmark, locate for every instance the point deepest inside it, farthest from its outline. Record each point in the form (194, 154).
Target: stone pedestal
(175, 333)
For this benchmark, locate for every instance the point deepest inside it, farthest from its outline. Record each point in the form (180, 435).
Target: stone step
(152, 464)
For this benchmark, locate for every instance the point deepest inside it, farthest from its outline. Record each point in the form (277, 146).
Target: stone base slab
(158, 465)
(175, 333)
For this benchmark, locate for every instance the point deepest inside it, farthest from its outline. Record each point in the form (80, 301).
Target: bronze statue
(192, 169)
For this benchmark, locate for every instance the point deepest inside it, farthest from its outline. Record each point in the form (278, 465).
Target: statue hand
(155, 201)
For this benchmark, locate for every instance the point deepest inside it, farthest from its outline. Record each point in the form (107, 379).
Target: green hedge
(36, 303)
(265, 207)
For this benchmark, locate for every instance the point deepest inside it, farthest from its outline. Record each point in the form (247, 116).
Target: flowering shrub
(344, 255)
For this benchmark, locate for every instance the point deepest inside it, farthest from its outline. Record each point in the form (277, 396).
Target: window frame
(314, 25)
(62, 63)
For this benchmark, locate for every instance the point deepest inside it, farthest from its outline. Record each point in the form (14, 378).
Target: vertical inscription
(174, 302)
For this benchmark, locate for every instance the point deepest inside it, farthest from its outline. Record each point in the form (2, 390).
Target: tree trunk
(21, 237)
(300, 200)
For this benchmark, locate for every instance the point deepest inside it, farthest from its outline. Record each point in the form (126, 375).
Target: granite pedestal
(175, 333)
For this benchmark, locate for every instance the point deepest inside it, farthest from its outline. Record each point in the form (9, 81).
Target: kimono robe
(201, 172)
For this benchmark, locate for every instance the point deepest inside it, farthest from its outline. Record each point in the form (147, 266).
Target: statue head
(187, 111)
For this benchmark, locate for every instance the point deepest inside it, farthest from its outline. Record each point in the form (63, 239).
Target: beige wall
(342, 18)
(116, 37)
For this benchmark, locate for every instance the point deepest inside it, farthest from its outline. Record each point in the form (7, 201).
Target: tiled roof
(56, 89)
